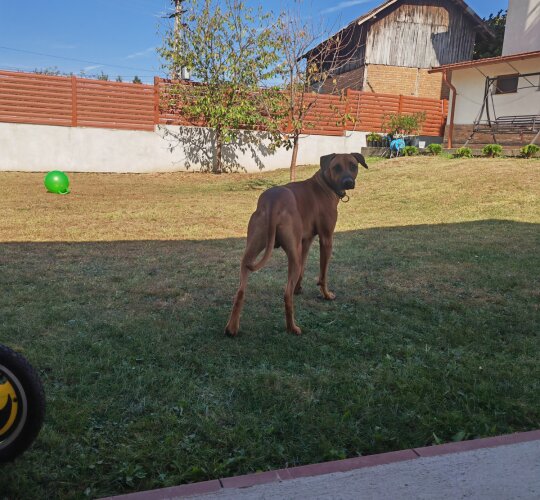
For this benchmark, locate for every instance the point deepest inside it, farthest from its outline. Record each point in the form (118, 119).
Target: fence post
(156, 100)
(73, 101)
(347, 108)
(400, 106)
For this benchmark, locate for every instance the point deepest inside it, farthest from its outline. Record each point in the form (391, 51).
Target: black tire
(22, 404)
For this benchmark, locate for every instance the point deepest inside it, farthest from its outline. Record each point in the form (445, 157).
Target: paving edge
(349, 464)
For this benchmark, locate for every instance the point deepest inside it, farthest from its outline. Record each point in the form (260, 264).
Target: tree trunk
(219, 154)
(293, 157)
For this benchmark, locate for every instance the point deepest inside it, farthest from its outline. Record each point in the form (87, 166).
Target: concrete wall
(522, 33)
(470, 83)
(41, 148)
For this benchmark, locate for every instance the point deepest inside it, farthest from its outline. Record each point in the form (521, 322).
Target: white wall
(40, 148)
(522, 33)
(470, 83)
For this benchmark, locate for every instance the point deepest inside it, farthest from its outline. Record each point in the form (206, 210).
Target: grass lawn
(119, 292)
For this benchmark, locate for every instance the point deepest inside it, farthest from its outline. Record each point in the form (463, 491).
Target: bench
(510, 125)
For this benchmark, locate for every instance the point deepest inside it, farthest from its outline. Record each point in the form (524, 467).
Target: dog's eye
(354, 167)
(337, 168)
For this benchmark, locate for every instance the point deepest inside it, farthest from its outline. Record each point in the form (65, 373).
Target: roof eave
(485, 61)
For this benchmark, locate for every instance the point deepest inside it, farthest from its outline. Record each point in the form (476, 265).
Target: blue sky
(119, 37)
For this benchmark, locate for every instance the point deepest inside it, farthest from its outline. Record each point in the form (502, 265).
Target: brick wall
(406, 81)
(462, 133)
(351, 80)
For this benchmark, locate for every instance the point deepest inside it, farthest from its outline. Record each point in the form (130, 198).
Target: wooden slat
(17, 111)
(30, 76)
(30, 100)
(105, 97)
(105, 118)
(121, 126)
(36, 89)
(109, 84)
(34, 120)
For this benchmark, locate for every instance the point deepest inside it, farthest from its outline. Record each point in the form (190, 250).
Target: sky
(119, 37)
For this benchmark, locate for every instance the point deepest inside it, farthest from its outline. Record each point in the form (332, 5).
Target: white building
(499, 96)
(522, 33)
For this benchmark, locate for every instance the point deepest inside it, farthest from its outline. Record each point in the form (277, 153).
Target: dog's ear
(360, 159)
(325, 160)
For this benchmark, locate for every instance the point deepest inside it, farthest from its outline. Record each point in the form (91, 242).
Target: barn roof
(382, 7)
(475, 18)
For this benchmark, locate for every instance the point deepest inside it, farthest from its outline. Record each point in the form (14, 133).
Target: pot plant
(372, 139)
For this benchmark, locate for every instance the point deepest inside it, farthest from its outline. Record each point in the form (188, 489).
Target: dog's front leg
(325, 243)
(306, 243)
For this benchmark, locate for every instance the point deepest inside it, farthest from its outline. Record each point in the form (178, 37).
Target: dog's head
(340, 170)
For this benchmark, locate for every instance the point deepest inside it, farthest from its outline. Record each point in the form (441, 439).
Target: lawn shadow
(433, 335)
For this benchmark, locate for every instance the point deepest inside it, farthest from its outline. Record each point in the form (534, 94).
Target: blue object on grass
(397, 145)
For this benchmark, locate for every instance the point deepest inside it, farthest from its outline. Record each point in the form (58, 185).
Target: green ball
(57, 182)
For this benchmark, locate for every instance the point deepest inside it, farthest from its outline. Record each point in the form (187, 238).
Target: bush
(529, 150)
(434, 149)
(463, 153)
(403, 124)
(411, 151)
(492, 150)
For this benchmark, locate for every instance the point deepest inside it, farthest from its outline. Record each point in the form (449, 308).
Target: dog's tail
(270, 241)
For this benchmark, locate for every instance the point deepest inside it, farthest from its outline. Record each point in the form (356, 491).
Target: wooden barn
(391, 48)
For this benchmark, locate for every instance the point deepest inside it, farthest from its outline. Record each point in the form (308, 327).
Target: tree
(50, 71)
(492, 47)
(230, 52)
(119, 79)
(103, 76)
(307, 72)
(136, 79)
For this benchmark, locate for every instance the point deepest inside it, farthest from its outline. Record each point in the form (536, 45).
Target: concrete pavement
(498, 468)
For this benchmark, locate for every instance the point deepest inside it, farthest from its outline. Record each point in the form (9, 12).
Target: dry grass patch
(178, 206)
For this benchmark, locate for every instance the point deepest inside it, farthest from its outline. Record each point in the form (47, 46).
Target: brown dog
(291, 216)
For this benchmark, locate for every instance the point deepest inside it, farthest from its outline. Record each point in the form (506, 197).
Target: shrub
(434, 149)
(373, 136)
(492, 150)
(411, 151)
(463, 153)
(403, 124)
(529, 150)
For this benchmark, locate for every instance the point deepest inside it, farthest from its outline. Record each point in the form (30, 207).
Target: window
(506, 84)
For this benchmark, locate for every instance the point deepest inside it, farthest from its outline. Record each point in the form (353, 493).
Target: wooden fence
(75, 102)
(79, 102)
(368, 110)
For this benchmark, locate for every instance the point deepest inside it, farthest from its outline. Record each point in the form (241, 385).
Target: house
(522, 33)
(497, 99)
(391, 48)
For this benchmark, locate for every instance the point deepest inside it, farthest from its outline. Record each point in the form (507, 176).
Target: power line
(77, 60)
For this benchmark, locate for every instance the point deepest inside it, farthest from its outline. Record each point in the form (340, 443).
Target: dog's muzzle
(348, 183)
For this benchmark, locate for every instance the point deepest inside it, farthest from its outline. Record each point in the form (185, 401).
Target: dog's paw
(230, 333)
(295, 329)
(329, 296)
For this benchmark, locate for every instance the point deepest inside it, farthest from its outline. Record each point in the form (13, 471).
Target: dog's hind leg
(255, 244)
(292, 244)
(306, 244)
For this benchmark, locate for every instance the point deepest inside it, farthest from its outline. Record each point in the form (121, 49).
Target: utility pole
(177, 14)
